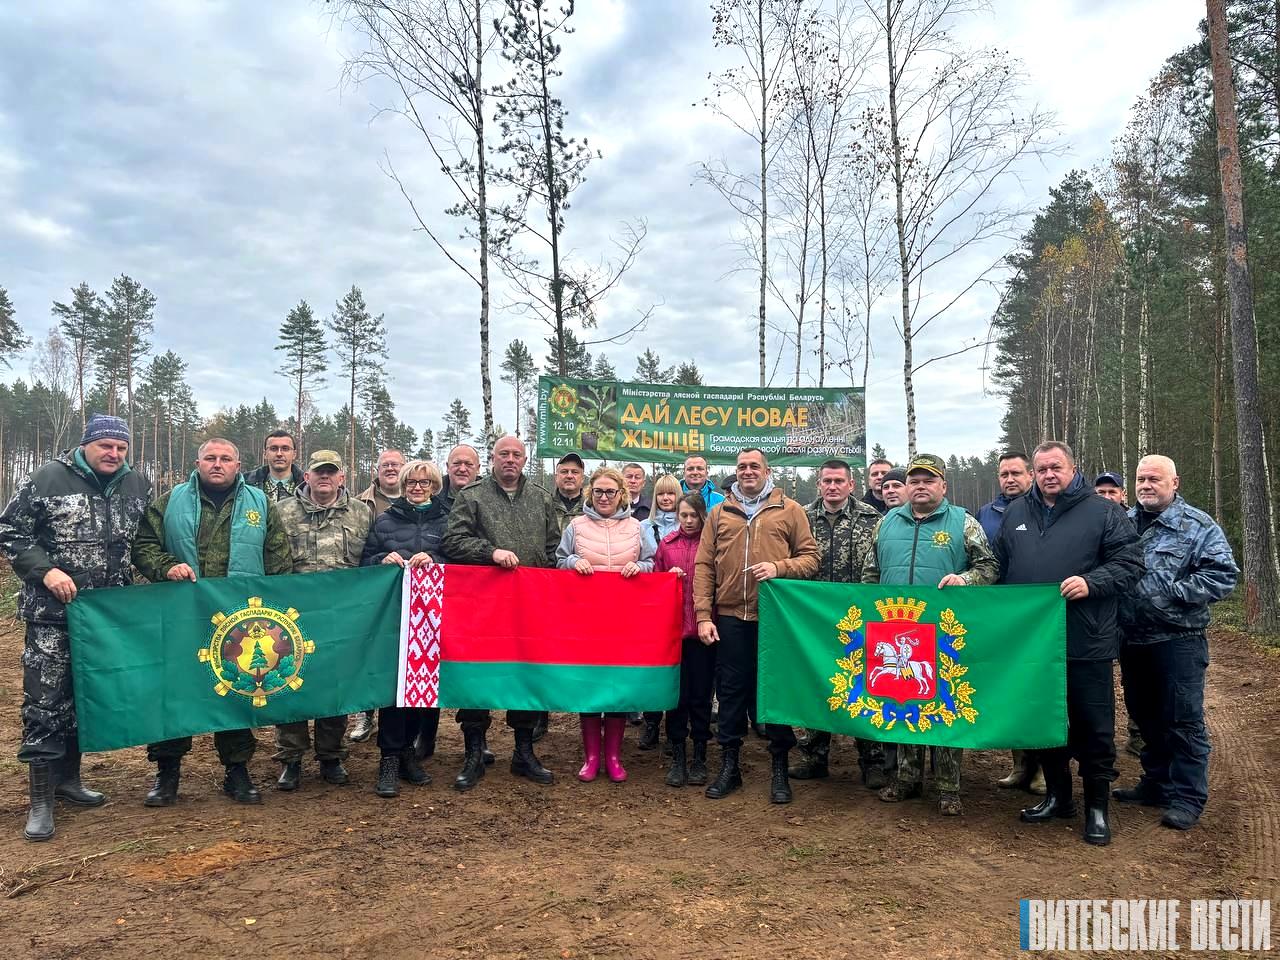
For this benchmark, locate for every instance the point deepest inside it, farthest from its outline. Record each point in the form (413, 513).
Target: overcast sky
(209, 150)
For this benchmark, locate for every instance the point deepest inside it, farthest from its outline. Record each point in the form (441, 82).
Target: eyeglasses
(604, 494)
(417, 483)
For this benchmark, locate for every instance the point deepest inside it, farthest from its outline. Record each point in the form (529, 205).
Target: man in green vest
(212, 525)
(930, 542)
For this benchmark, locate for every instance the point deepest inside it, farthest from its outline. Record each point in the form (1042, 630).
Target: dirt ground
(635, 870)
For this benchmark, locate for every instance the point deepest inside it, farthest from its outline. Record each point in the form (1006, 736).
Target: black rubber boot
(1097, 827)
(1057, 802)
(238, 785)
(67, 785)
(40, 818)
(779, 788)
(678, 775)
(649, 737)
(524, 763)
(424, 746)
(729, 778)
(698, 765)
(472, 762)
(411, 771)
(164, 793)
(388, 784)
(490, 758)
(290, 776)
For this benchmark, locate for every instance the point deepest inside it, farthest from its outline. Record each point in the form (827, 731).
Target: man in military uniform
(279, 476)
(327, 528)
(568, 500)
(956, 554)
(505, 520)
(844, 527)
(212, 525)
(67, 529)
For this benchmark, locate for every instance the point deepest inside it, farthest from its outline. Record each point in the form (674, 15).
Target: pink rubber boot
(590, 748)
(614, 727)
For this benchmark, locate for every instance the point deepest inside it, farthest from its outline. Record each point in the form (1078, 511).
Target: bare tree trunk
(1124, 382)
(1219, 336)
(1262, 579)
(1144, 373)
(900, 222)
(482, 175)
(764, 190)
(553, 199)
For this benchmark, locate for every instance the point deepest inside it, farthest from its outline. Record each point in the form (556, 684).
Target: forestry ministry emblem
(253, 518)
(563, 400)
(899, 668)
(256, 652)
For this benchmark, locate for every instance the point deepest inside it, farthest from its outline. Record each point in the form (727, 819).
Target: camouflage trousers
(947, 760)
(48, 704)
(293, 739)
(817, 744)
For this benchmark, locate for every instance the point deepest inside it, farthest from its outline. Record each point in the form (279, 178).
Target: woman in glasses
(408, 533)
(605, 538)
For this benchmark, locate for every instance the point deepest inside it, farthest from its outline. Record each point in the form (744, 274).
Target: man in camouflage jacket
(327, 528)
(69, 528)
(844, 527)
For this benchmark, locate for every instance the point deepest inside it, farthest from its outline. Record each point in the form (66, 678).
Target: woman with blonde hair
(606, 538)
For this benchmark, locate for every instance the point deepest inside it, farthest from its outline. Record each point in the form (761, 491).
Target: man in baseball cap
(1111, 486)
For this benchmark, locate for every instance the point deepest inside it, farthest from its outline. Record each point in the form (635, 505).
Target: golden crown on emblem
(903, 608)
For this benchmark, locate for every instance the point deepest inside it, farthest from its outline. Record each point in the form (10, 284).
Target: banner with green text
(662, 422)
(973, 667)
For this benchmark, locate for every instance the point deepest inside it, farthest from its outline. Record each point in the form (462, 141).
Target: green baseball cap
(325, 458)
(928, 462)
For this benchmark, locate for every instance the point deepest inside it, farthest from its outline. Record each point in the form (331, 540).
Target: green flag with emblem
(972, 667)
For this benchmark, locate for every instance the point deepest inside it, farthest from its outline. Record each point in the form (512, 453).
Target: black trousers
(480, 719)
(398, 727)
(1091, 722)
(692, 715)
(736, 674)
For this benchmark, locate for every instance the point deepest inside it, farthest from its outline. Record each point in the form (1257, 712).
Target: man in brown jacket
(755, 535)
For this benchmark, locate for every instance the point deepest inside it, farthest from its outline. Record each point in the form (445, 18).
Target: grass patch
(804, 852)
(8, 592)
(1229, 615)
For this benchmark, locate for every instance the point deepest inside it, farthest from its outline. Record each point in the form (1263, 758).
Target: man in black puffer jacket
(1063, 533)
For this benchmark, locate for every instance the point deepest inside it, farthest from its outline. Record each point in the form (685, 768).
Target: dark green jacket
(213, 541)
(484, 519)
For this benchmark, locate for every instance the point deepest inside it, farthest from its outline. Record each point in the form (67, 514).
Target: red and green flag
(480, 637)
(973, 667)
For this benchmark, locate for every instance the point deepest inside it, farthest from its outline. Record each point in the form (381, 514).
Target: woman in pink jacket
(676, 554)
(605, 538)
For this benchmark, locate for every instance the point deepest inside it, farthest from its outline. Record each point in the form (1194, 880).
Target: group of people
(1137, 585)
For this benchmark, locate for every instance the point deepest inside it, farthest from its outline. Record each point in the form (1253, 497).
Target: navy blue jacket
(991, 515)
(406, 531)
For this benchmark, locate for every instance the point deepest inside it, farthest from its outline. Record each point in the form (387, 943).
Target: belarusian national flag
(529, 639)
(976, 667)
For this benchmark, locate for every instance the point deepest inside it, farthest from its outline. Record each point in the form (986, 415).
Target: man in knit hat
(68, 528)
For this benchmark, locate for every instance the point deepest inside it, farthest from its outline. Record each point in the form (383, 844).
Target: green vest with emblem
(248, 526)
(911, 551)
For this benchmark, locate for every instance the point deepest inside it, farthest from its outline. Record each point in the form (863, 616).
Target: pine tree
(603, 369)
(128, 319)
(577, 361)
(649, 369)
(521, 372)
(79, 322)
(305, 355)
(457, 428)
(12, 339)
(360, 342)
(427, 449)
(688, 374)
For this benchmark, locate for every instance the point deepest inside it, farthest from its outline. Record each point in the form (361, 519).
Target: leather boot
(424, 746)
(649, 737)
(334, 772)
(67, 785)
(1097, 827)
(40, 818)
(290, 776)
(164, 793)
(238, 785)
(388, 784)
(1057, 802)
(614, 728)
(698, 766)
(540, 726)
(410, 771)
(524, 763)
(779, 788)
(472, 761)
(489, 757)
(728, 779)
(1021, 773)
(678, 775)
(591, 738)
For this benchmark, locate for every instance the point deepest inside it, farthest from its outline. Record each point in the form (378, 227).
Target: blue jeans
(1164, 691)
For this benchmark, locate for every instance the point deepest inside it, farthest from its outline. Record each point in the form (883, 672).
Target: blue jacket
(991, 515)
(710, 495)
(1189, 566)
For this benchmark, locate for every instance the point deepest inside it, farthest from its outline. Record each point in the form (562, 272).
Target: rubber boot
(1057, 802)
(524, 763)
(728, 779)
(40, 818)
(1020, 775)
(388, 784)
(698, 765)
(779, 788)
(1097, 827)
(1037, 784)
(649, 737)
(678, 774)
(489, 757)
(591, 739)
(424, 745)
(614, 728)
(290, 776)
(472, 771)
(164, 793)
(67, 785)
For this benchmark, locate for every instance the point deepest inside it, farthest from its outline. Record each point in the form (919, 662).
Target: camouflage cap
(325, 458)
(928, 462)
